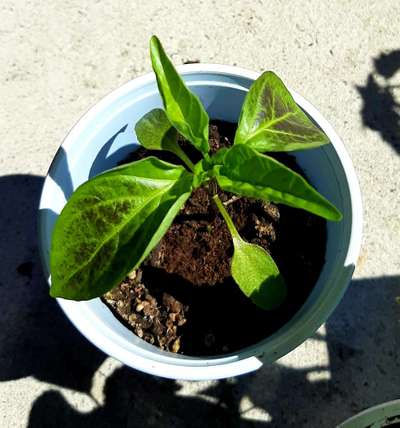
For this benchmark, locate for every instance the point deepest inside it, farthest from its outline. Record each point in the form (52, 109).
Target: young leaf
(257, 275)
(218, 158)
(111, 223)
(249, 173)
(155, 132)
(183, 108)
(253, 269)
(271, 121)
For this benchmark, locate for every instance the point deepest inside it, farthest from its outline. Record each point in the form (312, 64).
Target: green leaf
(155, 132)
(183, 108)
(271, 121)
(218, 158)
(257, 275)
(111, 223)
(249, 173)
(254, 270)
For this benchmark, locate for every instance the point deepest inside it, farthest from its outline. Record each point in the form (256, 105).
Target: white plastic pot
(105, 134)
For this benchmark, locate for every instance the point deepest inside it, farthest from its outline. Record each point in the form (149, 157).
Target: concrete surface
(57, 59)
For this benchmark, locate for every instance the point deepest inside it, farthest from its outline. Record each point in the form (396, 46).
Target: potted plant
(382, 415)
(115, 222)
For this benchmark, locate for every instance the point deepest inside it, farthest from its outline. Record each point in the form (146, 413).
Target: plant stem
(182, 155)
(226, 217)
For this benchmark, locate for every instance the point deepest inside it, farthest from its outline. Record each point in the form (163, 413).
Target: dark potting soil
(183, 298)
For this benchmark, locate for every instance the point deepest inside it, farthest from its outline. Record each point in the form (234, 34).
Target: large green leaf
(249, 173)
(271, 120)
(253, 269)
(111, 223)
(155, 132)
(183, 108)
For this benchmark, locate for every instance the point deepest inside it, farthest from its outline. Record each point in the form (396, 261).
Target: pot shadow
(381, 109)
(132, 399)
(362, 339)
(36, 339)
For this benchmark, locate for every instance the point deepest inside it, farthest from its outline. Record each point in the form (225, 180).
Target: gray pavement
(57, 59)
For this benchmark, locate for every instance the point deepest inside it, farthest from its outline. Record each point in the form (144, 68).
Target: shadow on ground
(37, 340)
(381, 109)
(362, 341)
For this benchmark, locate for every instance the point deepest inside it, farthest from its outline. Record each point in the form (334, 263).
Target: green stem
(182, 155)
(226, 217)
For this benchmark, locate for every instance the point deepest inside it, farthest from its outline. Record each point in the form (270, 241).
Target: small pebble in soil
(153, 323)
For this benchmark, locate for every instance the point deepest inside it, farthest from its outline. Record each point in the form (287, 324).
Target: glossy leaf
(111, 223)
(183, 108)
(254, 270)
(218, 158)
(249, 173)
(257, 275)
(271, 120)
(155, 132)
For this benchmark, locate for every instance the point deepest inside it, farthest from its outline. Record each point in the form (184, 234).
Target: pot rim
(216, 367)
(381, 413)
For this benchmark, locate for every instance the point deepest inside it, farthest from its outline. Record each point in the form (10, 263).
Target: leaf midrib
(268, 125)
(128, 197)
(194, 138)
(277, 192)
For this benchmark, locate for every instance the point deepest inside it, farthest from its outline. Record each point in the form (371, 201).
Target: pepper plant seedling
(112, 222)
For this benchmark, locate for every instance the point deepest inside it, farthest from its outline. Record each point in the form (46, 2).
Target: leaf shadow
(381, 109)
(106, 160)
